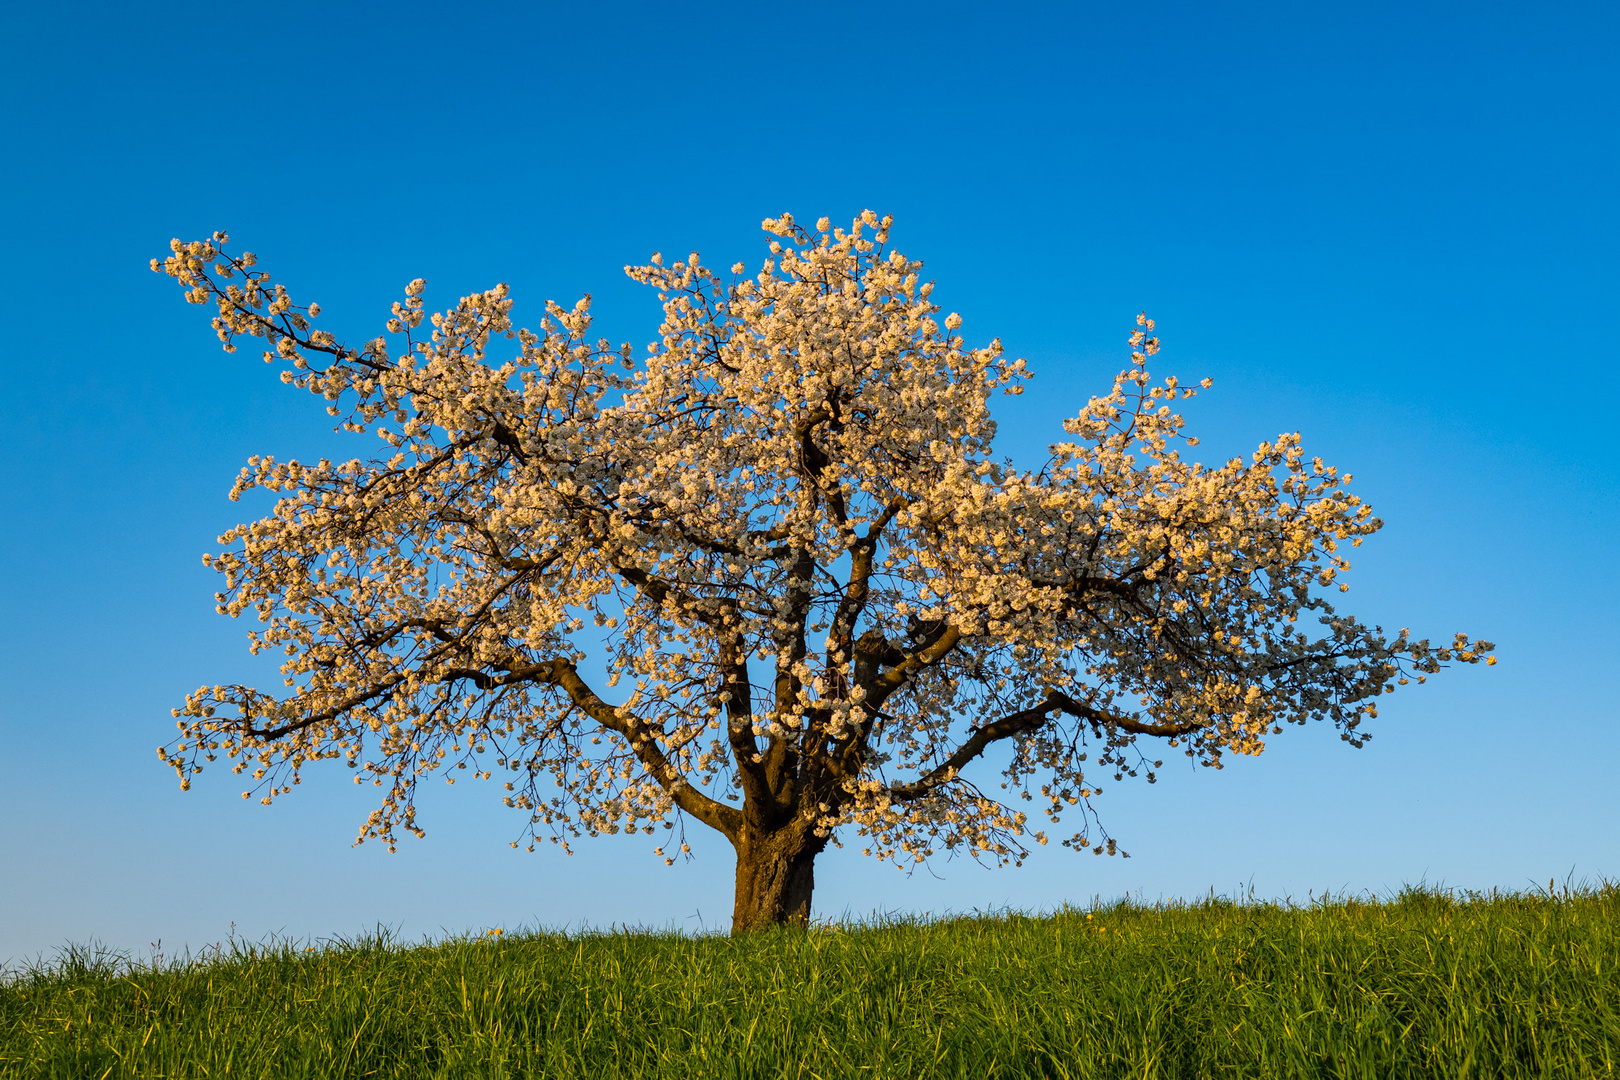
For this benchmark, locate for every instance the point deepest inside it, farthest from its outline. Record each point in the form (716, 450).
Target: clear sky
(1391, 227)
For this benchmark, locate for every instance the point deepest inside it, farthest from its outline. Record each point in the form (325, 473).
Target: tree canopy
(768, 576)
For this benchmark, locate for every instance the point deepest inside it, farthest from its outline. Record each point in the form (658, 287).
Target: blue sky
(1390, 227)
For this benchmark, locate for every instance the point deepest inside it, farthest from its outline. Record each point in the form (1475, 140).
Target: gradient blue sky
(1391, 227)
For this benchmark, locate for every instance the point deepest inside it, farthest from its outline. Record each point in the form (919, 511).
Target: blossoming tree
(811, 599)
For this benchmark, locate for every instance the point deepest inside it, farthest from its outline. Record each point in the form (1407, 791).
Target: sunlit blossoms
(817, 598)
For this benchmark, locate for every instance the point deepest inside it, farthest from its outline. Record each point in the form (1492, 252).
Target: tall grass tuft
(1426, 984)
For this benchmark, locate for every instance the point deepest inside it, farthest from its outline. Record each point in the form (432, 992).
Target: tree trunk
(775, 876)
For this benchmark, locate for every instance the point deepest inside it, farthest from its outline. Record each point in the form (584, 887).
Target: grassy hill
(1427, 984)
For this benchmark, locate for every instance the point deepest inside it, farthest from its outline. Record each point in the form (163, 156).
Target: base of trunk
(775, 877)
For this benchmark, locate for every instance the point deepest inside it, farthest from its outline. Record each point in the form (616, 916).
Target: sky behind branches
(1389, 227)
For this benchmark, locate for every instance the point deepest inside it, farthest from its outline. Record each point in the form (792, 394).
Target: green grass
(1424, 985)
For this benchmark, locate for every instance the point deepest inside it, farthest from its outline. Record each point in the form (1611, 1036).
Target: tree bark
(775, 877)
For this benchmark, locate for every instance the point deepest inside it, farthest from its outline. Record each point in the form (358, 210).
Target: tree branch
(564, 675)
(740, 715)
(1074, 708)
(1006, 727)
(1020, 722)
(662, 592)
